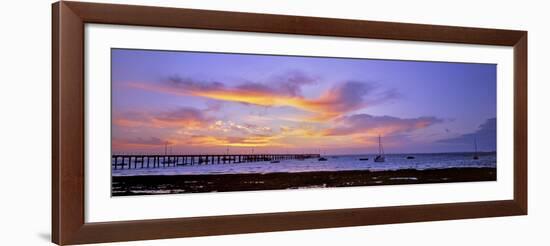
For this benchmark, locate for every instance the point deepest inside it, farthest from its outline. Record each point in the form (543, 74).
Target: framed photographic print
(290, 122)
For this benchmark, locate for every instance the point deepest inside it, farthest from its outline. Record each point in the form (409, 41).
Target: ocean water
(333, 163)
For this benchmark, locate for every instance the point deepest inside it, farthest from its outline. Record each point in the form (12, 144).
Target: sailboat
(476, 157)
(321, 158)
(380, 157)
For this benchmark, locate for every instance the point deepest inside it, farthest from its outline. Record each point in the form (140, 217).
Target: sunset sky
(213, 103)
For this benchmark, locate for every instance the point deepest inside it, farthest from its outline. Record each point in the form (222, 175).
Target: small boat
(410, 157)
(275, 161)
(476, 157)
(320, 157)
(380, 157)
(364, 159)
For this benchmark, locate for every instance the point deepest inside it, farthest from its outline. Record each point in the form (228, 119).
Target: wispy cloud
(232, 141)
(346, 97)
(291, 82)
(243, 128)
(486, 136)
(369, 125)
(342, 98)
(141, 142)
(183, 117)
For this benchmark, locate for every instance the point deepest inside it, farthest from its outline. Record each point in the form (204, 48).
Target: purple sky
(210, 102)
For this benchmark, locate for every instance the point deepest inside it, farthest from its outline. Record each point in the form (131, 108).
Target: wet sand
(150, 185)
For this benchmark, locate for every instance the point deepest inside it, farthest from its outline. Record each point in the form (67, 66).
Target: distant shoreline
(174, 184)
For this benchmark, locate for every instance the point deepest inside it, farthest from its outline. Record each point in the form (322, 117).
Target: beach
(196, 183)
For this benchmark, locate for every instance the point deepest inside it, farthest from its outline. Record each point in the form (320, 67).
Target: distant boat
(320, 157)
(364, 159)
(275, 161)
(380, 157)
(410, 157)
(476, 157)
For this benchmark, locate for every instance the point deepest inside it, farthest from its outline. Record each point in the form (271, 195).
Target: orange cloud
(249, 141)
(300, 131)
(342, 98)
(140, 142)
(183, 117)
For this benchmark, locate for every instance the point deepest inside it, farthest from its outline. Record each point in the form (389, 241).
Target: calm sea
(333, 163)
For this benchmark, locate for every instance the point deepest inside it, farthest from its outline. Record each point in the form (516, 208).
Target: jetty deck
(160, 161)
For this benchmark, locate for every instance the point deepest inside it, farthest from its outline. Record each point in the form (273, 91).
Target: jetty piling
(169, 160)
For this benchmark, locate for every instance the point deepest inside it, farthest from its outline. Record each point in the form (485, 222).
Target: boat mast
(382, 146)
(475, 145)
(380, 150)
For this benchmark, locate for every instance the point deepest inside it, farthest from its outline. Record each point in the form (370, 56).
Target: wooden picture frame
(68, 110)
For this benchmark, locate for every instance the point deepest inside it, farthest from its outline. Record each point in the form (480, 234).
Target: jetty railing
(160, 161)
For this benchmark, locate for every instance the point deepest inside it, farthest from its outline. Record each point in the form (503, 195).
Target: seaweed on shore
(173, 184)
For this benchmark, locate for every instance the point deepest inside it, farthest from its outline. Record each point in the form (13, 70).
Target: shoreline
(196, 183)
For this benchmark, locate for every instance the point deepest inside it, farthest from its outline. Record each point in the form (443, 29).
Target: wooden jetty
(159, 161)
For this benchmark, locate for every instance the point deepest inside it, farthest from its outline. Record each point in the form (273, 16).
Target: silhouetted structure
(157, 161)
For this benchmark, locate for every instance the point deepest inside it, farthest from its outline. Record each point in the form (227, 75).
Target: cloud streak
(231, 141)
(486, 136)
(342, 98)
(141, 142)
(243, 128)
(369, 125)
(183, 117)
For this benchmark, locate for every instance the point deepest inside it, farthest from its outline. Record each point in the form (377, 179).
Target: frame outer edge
(139, 15)
(68, 120)
(55, 124)
(521, 124)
